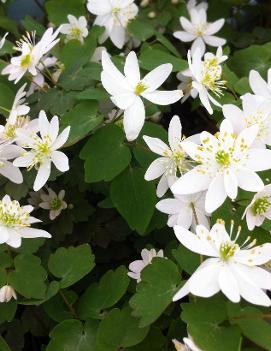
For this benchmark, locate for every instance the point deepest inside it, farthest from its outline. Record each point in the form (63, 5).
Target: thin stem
(253, 316)
(70, 306)
(4, 109)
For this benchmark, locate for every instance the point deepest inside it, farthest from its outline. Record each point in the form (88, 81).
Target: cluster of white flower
(203, 170)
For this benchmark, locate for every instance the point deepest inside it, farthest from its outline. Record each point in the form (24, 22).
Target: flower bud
(7, 293)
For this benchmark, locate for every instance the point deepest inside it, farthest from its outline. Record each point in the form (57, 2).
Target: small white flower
(2, 41)
(232, 269)
(137, 266)
(226, 161)
(35, 198)
(114, 15)
(256, 110)
(15, 223)
(188, 345)
(76, 29)
(199, 30)
(30, 54)
(53, 202)
(173, 158)
(19, 108)
(44, 150)
(7, 169)
(259, 208)
(186, 85)
(185, 210)
(7, 293)
(259, 86)
(128, 90)
(8, 132)
(206, 76)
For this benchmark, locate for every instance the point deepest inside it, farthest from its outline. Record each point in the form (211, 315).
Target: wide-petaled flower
(232, 269)
(206, 76)
(7, 293)
(44, 149)
(53, 202)
(128, 90)
(114, 15)
(256, 110)
(188, 345)
(19, 108)
(30, 54)
(7, 169)
(173, 158)
(259, 208)
(76, 29)
(199, 30)
(226, 161)
(15, 223)
(185, 210)
(137, 266)
(259, 86)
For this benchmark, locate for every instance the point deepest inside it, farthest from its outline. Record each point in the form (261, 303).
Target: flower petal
(230, 184)
(131, 68)
(216, 194)
(154, 79)
(156, 168)
(163, 97)
(174, 132)
(228, 284)
(212, 40)
(249, 180)
(184, 36)
(191, 182)
(215, 26)
(134, 118)
(258, 84)
(157, 145)
(259, 159)
(42, 175)
(60, 160)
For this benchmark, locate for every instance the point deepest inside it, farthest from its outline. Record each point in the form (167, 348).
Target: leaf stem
(70, 306)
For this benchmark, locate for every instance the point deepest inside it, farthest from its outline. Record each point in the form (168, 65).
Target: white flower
(188, 345)
(185, 210)
(53, 202)
(18, 108)
(15, 223)
(186, 85)
(137, 266)
(2, 41)
(259, 208)
(199, 30)
(128, 90)
(231, 268)
(7, 293)
(114, 15)
(30, 54)
(44, 150)
(226, 161)
(7, 169)
(256, 110)
(8, 132)
(259, 86)
(35, 198)
(173, 158)
(76, 29)
(206, 76)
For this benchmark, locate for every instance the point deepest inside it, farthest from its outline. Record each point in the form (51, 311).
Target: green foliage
(58, 10)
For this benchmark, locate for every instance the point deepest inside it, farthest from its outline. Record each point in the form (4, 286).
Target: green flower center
(55, 204)
(25, 61)
(211, 76)
(76, 32)
(140, 88)
(227, 250)
(223, 158)
(42, 150)
(116, 10)
(13, 215)
(260, 206)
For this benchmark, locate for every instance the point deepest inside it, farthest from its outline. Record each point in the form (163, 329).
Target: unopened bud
(7, 293)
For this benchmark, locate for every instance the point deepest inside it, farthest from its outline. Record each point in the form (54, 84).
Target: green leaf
(58, 10)
(6, 98)
(119, 329)
(72, 335)
(99, 296)
(134, 198)
(9, 25)
(253, 326)
(159, 282)
(92, 94)
(242, 86)
(28, 277)
(31, 25)
(7, 312)
(151, 58)
(71, 264)
(3, 345)
(82, 119)
(57, 309)
(187, 260)
(105, 154)
(140, 29)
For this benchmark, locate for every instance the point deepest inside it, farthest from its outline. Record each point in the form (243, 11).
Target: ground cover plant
(135, 207)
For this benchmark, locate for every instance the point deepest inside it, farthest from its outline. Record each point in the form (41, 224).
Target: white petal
(256, 256)
(215, 26)
(134, 118)
(212, 40)
(170, 206)
(4, 234)
(228, 284)
(186, 24)
(60, 160)
(61, 139)
(15, 239)
(42, 175)
(157, 76)
(44, 125)
(258, 84)
(112, 85)
(231, 184)
(162, 186)
(156, 168)
(54, 128)
(182, 292)
(216, 194)
(174, 132)
(163, 97)
(98, 7)
(191, 182)
(249, 180)
(24, 161)
(198, 45)
(185, 218)
(131, 68)
(11, 172)
(117, 35)
(33, 233)
(124, 101)
(156, 145)
(255, 275)
(235, 115)
(184, 36)
(251, 219)
(259, 159)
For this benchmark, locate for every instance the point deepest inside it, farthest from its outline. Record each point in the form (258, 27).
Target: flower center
(42, 149)
(55, 204)
(25, 61)
(116, 10)
(211, 76)
(10, 129)
(13, 215)
(200, 29)
(140, 88)
(260, 206)
(223, 158)
(227, 250)
(76, 32)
